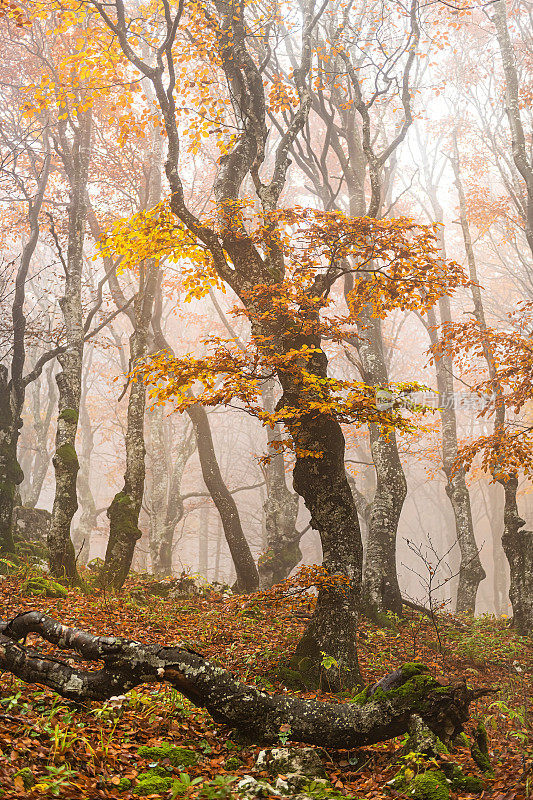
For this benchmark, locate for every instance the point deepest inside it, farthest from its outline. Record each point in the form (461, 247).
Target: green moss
(232, 763)
(177, 756)
(459, 782)
(7, 489)
(361, 697)
(12, 469)
(414, 689)
(69, 415)
(468, 783)
(28, 778)
(412, 668)
(66, 454)
(461, 740)
(38, 586)
(430, 785)
(123, 515)
(480, 750)
(153, 785)
(160, 772)
(124, 784)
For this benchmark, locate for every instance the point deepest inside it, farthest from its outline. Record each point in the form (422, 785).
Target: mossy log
(380, 712)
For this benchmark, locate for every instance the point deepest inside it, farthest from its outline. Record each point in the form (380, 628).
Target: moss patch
(232, 763)
(154, 784)
(38, 586)
(69, 415)
(480, 750)
(177, 756)
(430, 785)
(66, 454)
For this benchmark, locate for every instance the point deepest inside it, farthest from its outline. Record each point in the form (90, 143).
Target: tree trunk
(499, 563)
(323, 485)
(381, 590)
(123, 513)
(11, 474)
(203, 542)
(13, 387)
(160, 553)
(167, 465)
(282, 551)
(247, 575)
(383, 712)
(65, 460)
(41, 426)
(81, 536)
(518, 546)
(521, 149)
(471, 573)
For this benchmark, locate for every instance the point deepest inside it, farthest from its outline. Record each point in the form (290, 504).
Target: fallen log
(380, 712)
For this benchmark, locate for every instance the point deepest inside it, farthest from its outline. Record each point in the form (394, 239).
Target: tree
(254, 264)
(32, 143)
(351, 95)
(507, 450)
(75, 154)
(471, 573)
(383, 710)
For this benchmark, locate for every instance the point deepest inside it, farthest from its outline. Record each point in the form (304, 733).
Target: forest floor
(52, 748)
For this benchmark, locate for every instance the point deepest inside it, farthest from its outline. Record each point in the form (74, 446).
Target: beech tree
(255, 266)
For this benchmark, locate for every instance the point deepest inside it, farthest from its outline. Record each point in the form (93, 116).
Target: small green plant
(183, 785)
(328, 662)
(319, 790)
(57, 779)
(9, 703)
(284, 734)
(219, 788)
(520, 728)
(62, 739)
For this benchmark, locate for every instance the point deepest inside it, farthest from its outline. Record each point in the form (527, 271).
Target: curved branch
(128, 663)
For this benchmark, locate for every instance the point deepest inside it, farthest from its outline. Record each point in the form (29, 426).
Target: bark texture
(41, 420)
(381, 590)
(88, 521)
(13, 383)
(11, 474)
(123, 513)
(384, 710)
(282, 551)
(326, 492)
(518, 546)
(167, 465)
(62, 558)
(471, 572)
(245, 568)
(520, 148)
